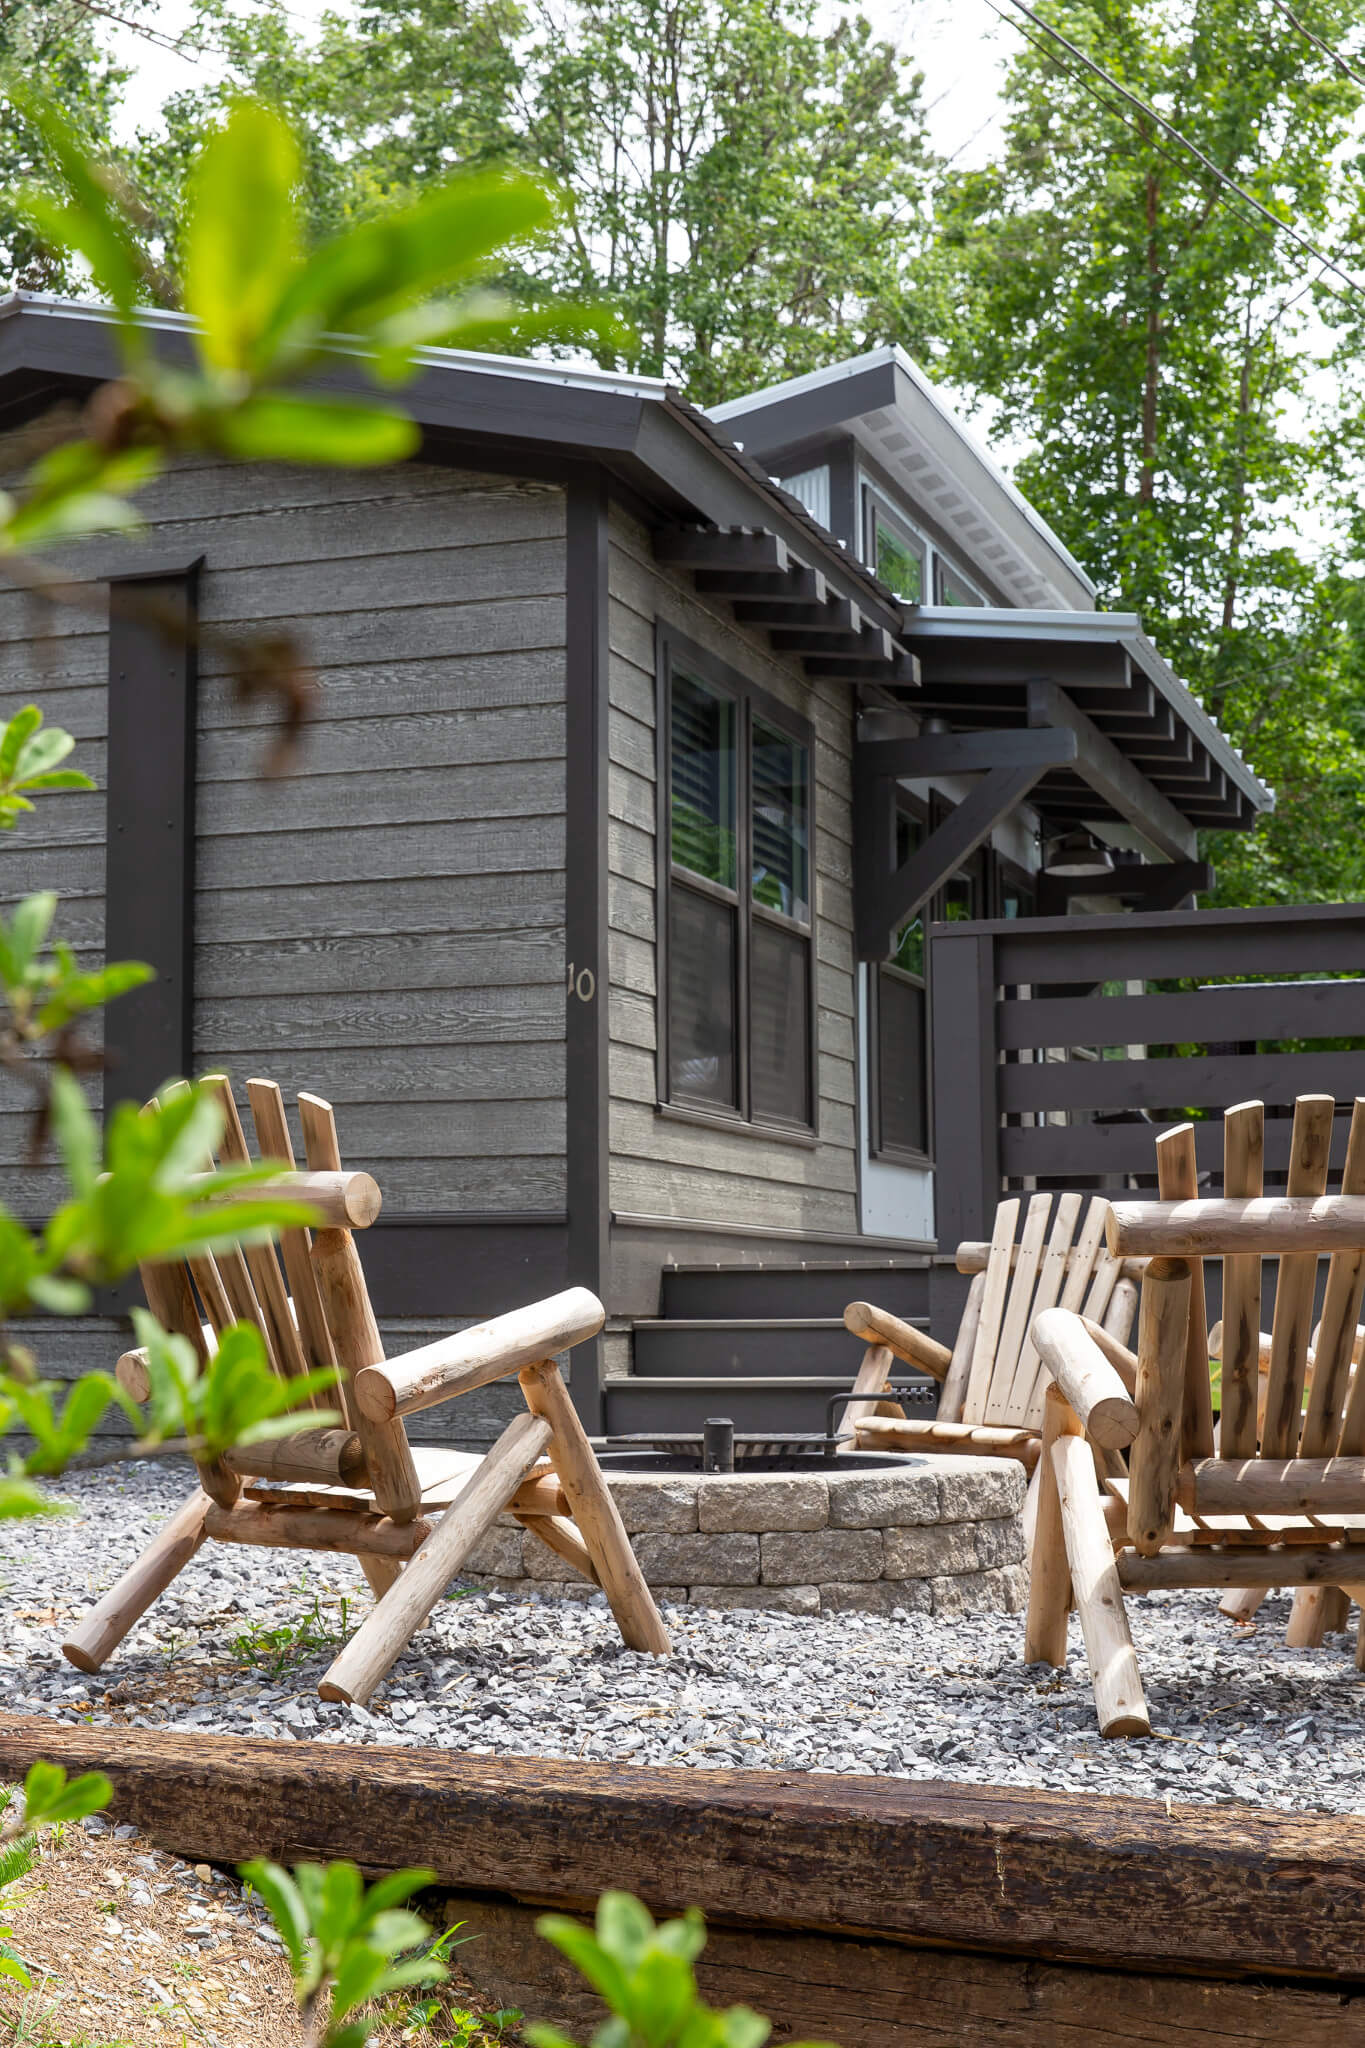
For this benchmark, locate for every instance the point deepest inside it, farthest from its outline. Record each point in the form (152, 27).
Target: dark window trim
(673, 647)
(876, 503)
(945, 565)
(899, 1155)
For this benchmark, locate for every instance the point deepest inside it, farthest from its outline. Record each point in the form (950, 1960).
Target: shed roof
(715, 511)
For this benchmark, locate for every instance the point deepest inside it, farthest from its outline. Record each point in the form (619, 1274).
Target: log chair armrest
(875, 1326)
(474, 1357)
(1103, 1405)
(340, 1201)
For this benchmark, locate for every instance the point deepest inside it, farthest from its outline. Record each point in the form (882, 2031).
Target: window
(899, 1027)
(894, 550)
(954, 587)
(737, 1020)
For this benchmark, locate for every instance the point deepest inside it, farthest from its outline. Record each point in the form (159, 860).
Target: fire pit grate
(750, 1447)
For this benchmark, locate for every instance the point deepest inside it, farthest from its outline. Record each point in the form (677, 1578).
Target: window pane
(702, 781)
(898, 562)
(959, 899)
(781, 829)
(908, 951)
(955, 589)
(701, 999)
(901, 1066)
(779, 1023)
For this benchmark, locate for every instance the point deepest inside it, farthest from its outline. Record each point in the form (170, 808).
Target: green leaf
(279, 427)
(49, 1795)
(78, 1138)
(19, 729)
(625, 1928)
(588, 1957)
(242, 236)
(284, 1905)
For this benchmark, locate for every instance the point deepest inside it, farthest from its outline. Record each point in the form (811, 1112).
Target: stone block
(780, 1599)
(538, 1561)
(699, 1560)
(884, 1500)
(497, 1554)
(665, 1506)
(834, 1555)
(931, 1553)
(999, 1543)
(1004, 1591)
(979, 1489)
(877, 1596)
(761, 1500)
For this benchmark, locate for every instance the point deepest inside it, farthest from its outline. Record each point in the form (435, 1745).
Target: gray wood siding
(659, 1166)
(384, 925)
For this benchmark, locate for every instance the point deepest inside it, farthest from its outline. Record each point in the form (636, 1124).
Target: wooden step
(748, 1293)
(765, 1402)
(790, 1348)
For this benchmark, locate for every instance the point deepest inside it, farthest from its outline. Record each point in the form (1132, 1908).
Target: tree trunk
(1152, 363)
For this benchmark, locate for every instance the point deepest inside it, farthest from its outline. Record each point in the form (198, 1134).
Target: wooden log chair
(1277, 1497)
(410, 1516)
(992, 1382)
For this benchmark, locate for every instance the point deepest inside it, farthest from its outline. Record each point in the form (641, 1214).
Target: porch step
(637, 1406)
(746, 1293)
(787, 1347)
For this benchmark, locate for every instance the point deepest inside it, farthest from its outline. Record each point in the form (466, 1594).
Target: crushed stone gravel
(238, 1643)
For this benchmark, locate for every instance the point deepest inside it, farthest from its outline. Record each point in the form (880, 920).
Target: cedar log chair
(992, 1381)
(1277, 1498)
(361, 1488)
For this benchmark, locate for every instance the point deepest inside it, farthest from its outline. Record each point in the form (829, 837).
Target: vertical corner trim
(587, 1027)
(150, 826)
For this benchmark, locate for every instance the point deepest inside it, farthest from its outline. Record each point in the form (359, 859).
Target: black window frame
(877, 505)
(674, 650)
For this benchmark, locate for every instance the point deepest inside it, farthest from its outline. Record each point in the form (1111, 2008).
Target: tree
(1152, 339)
(749, 190)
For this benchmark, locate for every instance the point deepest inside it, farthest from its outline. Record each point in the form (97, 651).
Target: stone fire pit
(938, 1535)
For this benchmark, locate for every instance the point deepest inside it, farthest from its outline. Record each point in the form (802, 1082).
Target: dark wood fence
(1062, 1046)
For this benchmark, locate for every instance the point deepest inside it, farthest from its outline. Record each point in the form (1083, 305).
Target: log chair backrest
(1006, 1382)
(247, 1285)
(1265, 1416)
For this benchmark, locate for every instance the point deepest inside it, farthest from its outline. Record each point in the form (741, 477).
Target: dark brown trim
(149, 829)
(587, 1034)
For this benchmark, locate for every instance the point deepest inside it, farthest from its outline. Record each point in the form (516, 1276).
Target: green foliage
(267, 309)
(643, 1973)
(29, 758)
(347, 1945)
(236, 1398)
(51, 1799)
(1156, 348)
(277, 1650)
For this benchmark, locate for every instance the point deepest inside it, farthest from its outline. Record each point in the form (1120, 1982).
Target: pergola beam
(1123, 788)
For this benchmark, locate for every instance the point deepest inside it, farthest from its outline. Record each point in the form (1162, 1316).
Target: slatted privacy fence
(1053, 1040)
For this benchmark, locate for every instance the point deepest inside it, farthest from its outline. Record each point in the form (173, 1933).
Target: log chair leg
(1049, 1591)
(98, 1634)
(1316, 1609)
(382, 1636)
(1241, 1602)
(1119, 1702)
(1360, 1640)
(594, 1510)
(380, 1574)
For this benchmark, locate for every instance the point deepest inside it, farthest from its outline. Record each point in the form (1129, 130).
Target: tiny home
(648, 750)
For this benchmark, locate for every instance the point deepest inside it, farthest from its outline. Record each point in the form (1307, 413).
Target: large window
(895, 551)
(737, 1009)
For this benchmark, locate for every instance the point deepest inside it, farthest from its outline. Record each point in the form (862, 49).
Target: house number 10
(583, 984)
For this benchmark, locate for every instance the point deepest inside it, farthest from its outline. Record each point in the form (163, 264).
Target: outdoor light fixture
(1079, 853)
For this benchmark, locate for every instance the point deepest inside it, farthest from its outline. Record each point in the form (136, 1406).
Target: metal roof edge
(952, 622)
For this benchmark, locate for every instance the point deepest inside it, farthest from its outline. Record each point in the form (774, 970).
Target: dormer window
(894, 550)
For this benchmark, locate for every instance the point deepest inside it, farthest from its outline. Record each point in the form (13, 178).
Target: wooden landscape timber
(874, 1912)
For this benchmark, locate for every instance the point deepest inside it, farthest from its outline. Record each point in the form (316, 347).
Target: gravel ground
(1237, 1716)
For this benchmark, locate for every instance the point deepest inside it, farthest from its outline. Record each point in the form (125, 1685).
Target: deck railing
(1063, 1045)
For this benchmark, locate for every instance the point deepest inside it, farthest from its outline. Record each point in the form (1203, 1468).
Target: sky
(959, 45)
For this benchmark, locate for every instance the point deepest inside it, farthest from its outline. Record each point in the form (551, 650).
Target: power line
(1149, 113)
(1334, 56)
